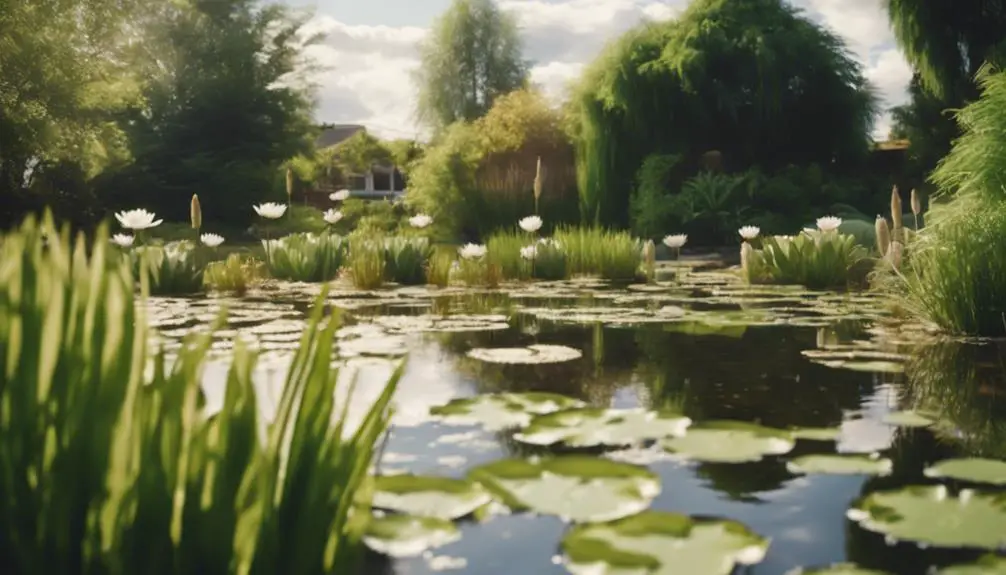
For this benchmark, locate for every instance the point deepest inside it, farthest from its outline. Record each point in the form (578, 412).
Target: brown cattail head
(289, 183)
(916, 203)
(896, 213)
(883, 233)
(196, 213)
(895, 254)
(537, 180)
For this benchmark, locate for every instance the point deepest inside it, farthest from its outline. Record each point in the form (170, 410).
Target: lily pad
(407, 535)
(532, 354)
(841, 465)
(907, 419)
(575, 488)
(590, 427)
(428, 496)
(927, 514)
(499, 411)
(662, 543)
(816, 433)
(437, 323)
(729, 442)
(836, 569)
(988, 565)
(970, 469)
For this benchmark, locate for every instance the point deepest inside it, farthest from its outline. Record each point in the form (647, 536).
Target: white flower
(137, 219)
(472, 251)
(675, 241)
(332, 216)
(122, 240)
(530, 224)
(270, 210)
(828, 223)
(528, 252)
(549, 242)
(749, 232)
(340, 196)
(420, 221)
(211, 240)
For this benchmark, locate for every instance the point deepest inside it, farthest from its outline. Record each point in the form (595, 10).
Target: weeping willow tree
(754, 80)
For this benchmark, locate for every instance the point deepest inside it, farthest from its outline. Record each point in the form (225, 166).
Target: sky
(371, 47)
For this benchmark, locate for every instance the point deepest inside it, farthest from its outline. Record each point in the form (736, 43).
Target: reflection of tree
(740, 481)
(376, 564)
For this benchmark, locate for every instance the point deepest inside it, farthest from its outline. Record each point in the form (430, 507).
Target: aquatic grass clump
(546, 259)
(174, 269)
(106, 469)
(504, 248)
(305, 257)
(438, 269)
(366, 262)
(476, 269)
(406, 259)
(609, 254)
(236, 274)
(814, 259)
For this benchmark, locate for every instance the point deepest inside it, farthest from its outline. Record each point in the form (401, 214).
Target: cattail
(650, 257)
(289, 185)
(896, 214)
(196, 213)
(537, 184)
(746, 254)
(916, 203)
(883, 235)
(894, 255)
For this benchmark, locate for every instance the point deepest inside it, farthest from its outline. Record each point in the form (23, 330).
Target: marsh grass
(813, 259)
(406, 259)
(611, 255)
(176, 268)
(480, 272)
(438, 268)
(503, 247)
(549, 262)
(304, 257)
(236, 274)
(104, 469)
(366, 262)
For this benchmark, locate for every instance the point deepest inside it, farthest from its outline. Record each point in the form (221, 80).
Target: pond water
(701, 345)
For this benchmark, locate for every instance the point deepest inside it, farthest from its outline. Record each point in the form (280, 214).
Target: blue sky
(371, 48)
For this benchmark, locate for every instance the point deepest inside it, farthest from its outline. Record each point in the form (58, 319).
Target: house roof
(335, 134)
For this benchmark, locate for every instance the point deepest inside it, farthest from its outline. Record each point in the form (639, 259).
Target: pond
(815, 373)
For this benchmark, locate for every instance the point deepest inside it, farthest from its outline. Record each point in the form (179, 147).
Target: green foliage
(174, 269)
(438, 269)
(305, 257)
(609, 254)
(929, 127)
(108, 470)
(479, 272)
(236, 274)
(357, 153)
(381, 217)
(747, 79)
(503, 248)
(471, 56)
(816, 260)
(367, 266)
(406, 259)
(652, 206)
(549, 261)
(442, 183)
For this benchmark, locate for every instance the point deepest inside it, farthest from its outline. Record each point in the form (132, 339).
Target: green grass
(549, 262)
(612, 255)
(438, 268)
(814, 260)
(503, 248)
(174, 269)
(406, 259)
(107, 470)
(236, 274)
(366, 262)
(481, 272)
(305, 257)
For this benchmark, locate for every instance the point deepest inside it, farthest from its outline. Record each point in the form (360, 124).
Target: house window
(357, 182)
(399, 181)
(382, 180)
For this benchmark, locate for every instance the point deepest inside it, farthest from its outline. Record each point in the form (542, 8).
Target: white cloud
(368, 67)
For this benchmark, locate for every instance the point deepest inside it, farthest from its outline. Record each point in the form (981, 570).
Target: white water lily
(529, 252)
(676, 240)
(749, 232)
(123, 240)
(549, 242)
(211, 240)
(828, 223)
(270, 210)
(340, 196)
(332, 216)
(420, 221)
(472, 251)
(137, 219)
(530, 224)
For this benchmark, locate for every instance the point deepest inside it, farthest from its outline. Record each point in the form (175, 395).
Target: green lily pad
(927, 514)
(836, 569)
(662, 543)
(988, 565)
(407, 535)
(428, 496)
(907, 419)
(575, 488)
(841, 465)
(588, 427)
(816, 433)
(729, 442)
(532, 354)
(970, 469)
(499, 411)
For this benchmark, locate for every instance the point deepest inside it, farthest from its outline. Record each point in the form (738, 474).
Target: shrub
(235, 274)
(112, 471)
(305, 257)
(813, 259)
(406, 259)
(366, 261)
(653, 206)
(595, 251)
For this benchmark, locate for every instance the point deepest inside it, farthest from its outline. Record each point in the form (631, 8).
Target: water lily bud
(883, 235)
(196, 213)
(916, 203)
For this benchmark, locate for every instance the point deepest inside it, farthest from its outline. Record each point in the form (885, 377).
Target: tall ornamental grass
(305, 257)
(104, 469)
(609, 254)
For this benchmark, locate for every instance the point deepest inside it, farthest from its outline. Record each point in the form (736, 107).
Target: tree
(471, 57)
(755, 81)
(928, 126)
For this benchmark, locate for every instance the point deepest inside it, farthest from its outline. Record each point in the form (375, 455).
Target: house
(380, 181)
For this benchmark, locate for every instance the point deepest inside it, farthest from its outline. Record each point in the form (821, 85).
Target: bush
(406, 259)
(305, 257)
(653, 206)
(112, 471)
(813, 259)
